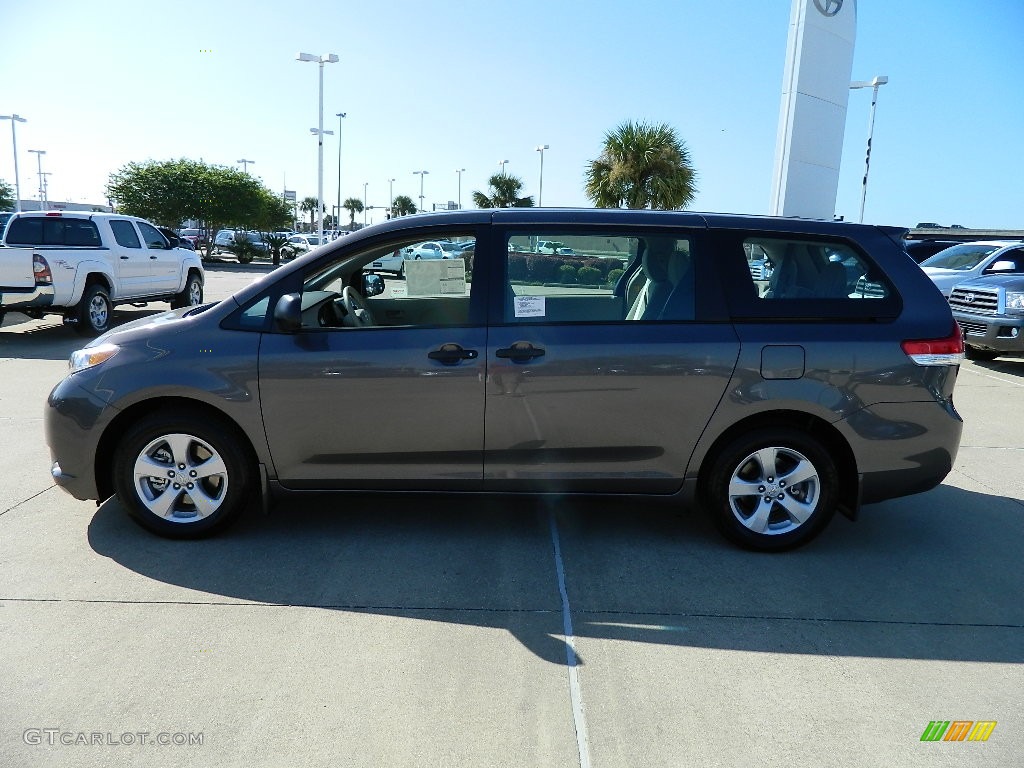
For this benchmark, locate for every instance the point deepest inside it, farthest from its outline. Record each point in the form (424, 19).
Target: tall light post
(873, 84)
(14, 141)
(340, 116)
(391, 195)
(245, 164)
(503, 163)
(421, 174)
(460, 171)
(365, 185)
(540, 193)
(319, 132)
(42, 179)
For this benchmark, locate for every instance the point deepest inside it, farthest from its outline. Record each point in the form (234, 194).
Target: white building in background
(812, 120)
(57, 205)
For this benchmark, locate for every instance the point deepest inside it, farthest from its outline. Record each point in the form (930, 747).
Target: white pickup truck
(81, 264)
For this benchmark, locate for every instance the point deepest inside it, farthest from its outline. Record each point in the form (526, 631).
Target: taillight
(946, 351)
(41, 270)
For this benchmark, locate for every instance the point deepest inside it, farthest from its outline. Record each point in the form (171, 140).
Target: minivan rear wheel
(181, 476)
(772, 489)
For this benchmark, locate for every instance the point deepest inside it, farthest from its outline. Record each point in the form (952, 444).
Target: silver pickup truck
(990, 311)
(80, 265)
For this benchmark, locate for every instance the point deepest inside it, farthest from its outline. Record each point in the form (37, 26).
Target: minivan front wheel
(773, 489)
(181, 476)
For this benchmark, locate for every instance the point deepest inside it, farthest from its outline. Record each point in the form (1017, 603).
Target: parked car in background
(175, 240)
(441, 249)
(990, 311)
(681, 382)
(919, 250)
(969, 260)
(299, 244)
(195, 236)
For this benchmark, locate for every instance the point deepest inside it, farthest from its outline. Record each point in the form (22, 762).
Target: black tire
(768, 518)
(94, 313)
(187, 443)
(974, 353)
(191, 295)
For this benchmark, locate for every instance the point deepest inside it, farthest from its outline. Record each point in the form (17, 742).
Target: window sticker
(529, 306)
(435, 277)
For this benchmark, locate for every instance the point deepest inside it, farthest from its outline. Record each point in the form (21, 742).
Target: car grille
(973, 329)
(977, 301)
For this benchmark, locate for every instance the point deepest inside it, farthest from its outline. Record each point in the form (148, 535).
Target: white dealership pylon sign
(815, 91)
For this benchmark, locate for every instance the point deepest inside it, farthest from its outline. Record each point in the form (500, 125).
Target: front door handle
(520, 352)
(451, 354)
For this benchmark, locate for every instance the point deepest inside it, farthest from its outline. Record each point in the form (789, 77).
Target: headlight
(91, 356)
(1015, 302)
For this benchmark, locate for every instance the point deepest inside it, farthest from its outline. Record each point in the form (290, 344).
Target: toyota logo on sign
(828, 7)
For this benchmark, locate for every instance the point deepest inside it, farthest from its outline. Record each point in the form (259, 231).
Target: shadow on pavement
(934, 576)
(49, 338)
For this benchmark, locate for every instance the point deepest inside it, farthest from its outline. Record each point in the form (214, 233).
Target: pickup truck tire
(94, 312)
(191, 295)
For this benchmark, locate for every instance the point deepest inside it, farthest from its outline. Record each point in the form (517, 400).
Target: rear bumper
(17, 299)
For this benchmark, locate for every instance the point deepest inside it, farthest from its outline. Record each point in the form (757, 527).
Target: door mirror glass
(373, 285)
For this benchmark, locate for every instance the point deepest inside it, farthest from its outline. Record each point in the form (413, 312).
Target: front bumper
(73, 421)
(1000, 333)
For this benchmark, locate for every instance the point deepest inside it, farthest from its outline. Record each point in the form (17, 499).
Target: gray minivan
(649, 362)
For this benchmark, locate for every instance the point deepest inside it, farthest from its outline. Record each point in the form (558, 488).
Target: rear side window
(36, 230)
(124, 233)
(802, 277)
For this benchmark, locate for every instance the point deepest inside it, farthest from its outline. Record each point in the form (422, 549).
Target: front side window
(154, 240)
(590, 277)
(422, 292)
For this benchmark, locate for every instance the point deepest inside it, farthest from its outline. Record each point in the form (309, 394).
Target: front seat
(658, 287)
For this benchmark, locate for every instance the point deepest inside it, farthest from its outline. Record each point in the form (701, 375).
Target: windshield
(960, 257)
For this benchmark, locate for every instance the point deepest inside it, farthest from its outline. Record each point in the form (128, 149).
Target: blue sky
(443, 85)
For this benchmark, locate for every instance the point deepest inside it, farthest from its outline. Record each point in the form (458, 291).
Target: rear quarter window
(36, 230)
(801, 277)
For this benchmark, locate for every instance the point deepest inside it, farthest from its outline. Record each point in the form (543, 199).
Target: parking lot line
(575, 694)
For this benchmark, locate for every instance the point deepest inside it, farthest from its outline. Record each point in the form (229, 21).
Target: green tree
(6, 196)
(402, 206)
(353, 205)
(169, 192)
(642, 166)
(308, 205)
(504, 193)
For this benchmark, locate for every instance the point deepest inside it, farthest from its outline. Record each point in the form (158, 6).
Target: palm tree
(642, 166)
(353, 205)
(402, 206)
(504, 191)
(308, 205)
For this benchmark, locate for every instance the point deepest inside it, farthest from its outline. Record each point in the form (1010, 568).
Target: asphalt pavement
(502, 632)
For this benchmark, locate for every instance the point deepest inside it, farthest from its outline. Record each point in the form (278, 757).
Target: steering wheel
(355, 305)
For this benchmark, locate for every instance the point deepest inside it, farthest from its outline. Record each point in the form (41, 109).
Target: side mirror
(373, 285)
(1004, 265)
(288, 313)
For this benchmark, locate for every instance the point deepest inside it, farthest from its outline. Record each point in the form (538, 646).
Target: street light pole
(319, 132)
(540, 194)
(460, 171)
(340, 116)
(873, 85)
(42, 179)
(365, 185)
(14, 141)
(421, 174)
(391, 195)
(503, 163)
(245, 164)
